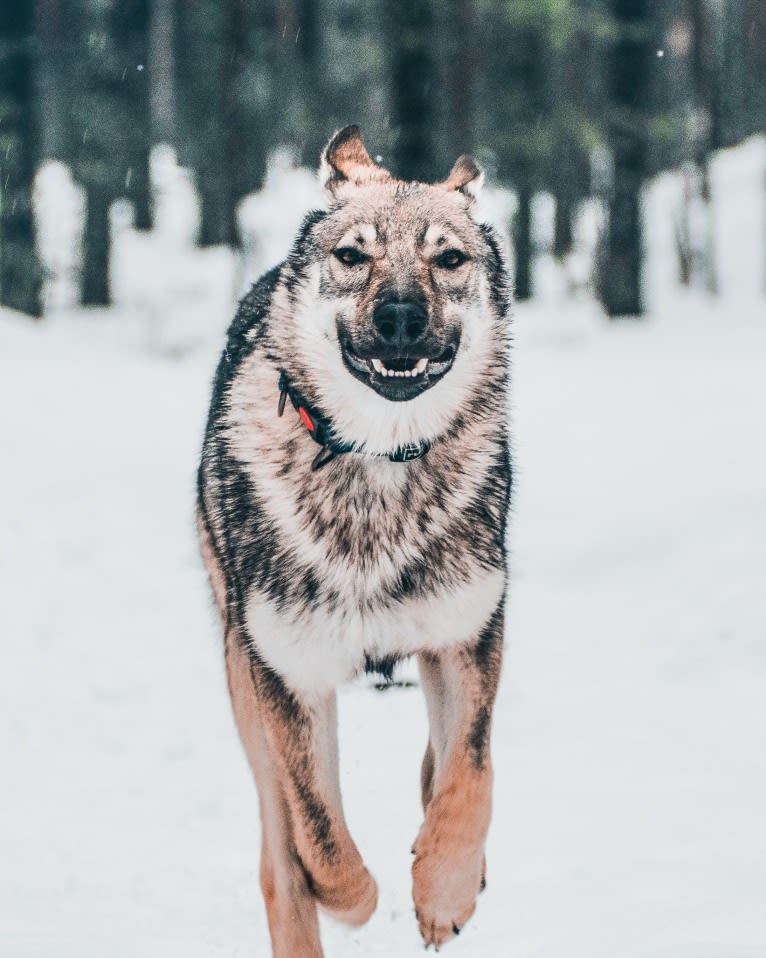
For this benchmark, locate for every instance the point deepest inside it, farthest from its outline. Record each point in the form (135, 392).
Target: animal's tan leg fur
(290, 904)
(300, 741)
(460, 685)
(308, 856)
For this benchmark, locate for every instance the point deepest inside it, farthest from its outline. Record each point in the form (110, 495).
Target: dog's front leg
(308, 855)
(460, 685)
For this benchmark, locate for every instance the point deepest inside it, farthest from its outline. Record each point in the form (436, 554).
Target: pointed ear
(466, 176)
(345, 160)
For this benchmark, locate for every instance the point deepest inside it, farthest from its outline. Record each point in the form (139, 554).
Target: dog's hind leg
(460, 684)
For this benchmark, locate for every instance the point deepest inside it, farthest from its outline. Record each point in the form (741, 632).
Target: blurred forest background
(582, 100)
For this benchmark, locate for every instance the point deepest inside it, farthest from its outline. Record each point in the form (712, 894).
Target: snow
(630, 730)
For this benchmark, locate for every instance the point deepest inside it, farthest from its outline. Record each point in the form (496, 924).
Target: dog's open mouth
(399, 377)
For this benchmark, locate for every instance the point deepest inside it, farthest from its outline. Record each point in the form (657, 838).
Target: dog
(352, 505)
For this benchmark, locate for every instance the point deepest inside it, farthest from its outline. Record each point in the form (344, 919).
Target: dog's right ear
(345, 160)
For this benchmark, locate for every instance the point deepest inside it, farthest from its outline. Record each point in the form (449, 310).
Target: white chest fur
(317, 649)
(316, 645)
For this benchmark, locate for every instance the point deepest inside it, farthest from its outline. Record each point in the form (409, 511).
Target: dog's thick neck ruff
(320, 429)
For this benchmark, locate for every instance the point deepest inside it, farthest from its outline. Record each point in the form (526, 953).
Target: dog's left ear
(466, 176)
(346, 160)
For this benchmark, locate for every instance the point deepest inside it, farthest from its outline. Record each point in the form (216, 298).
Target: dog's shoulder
(246, 331)
(250, 321)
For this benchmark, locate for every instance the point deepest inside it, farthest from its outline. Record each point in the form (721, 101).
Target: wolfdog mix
(352, 506)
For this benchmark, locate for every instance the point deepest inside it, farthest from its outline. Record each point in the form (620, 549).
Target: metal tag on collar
(412, 450)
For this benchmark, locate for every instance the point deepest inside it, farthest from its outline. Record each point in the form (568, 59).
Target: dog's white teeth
(417, 369)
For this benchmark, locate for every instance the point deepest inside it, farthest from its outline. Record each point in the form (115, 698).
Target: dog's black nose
(400, 324)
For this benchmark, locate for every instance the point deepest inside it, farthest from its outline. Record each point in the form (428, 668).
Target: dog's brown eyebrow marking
(360, 239)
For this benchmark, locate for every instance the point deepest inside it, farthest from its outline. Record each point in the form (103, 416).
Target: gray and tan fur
(391, 317)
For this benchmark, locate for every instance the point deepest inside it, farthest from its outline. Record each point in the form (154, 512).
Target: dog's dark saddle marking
(320, 429)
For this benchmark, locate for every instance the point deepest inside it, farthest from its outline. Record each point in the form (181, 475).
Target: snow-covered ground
(630, 735)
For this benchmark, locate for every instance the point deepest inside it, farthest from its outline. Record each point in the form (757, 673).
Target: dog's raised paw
(445, 899)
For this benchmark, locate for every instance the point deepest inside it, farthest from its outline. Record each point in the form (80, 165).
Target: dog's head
(399, 298)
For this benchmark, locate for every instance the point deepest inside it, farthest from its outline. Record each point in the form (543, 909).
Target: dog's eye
(349, 256)
(450, 259)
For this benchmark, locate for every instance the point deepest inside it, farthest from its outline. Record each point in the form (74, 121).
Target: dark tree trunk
(309, 43)
(200, 69)
(412, 89)
(462, 68)
(130, 31)
(755, 54)
(562, 228)
(96, 246)
(522, 245)
(54, 77)
(703, 58)
(209, 38)
(162, 71)
(622, 267)
(20, 270)
(733, 69)
(236, 160)
(100, 147)
(215, 220)
(111, 122)
(567, 81)
(628, 132)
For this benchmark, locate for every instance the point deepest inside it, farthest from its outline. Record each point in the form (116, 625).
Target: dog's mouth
(399, 378)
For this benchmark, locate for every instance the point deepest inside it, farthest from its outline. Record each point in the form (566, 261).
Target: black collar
(321, 431)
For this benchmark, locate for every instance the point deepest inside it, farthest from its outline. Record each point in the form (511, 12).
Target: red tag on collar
(308, 422)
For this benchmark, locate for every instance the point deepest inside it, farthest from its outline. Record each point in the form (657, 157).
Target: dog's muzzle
(404, 358)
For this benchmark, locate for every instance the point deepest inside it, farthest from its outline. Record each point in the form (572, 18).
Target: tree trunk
(562, 228)
(623, 261)
(96, 247)
(216, 216)
(20, 270)
(462, 69)
(130, 33)
(162, 71)
(522, 246)
(703, 54)
(209, 33)
(412, 93)
(54, 76)
(308, 46)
